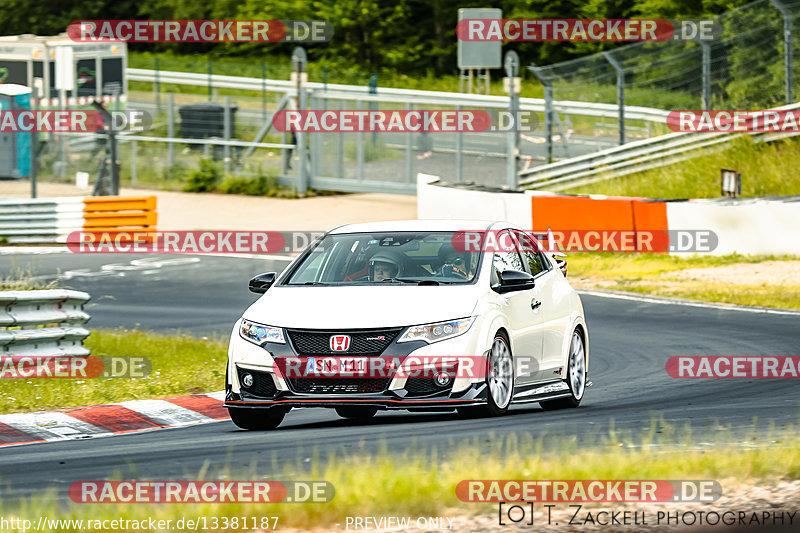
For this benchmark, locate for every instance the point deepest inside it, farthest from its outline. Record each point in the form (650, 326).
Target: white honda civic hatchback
(419, 315)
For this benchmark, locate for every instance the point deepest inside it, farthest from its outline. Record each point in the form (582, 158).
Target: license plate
(335, 365)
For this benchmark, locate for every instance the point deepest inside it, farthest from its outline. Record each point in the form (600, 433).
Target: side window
(545, 261)
(311, 270)
(319, 265)
(529, 247)
(505, 261)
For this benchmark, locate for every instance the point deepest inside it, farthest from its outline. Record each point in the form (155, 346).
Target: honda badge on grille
(340, 343)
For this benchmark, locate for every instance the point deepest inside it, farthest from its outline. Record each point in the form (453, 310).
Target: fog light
(443, 380)
(247, 380)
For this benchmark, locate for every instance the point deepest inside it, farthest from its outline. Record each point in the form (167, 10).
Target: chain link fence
(206, 127)
(749, 64)
(198, 135)
(386, 158)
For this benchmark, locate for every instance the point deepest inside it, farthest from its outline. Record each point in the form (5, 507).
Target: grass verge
(779, 296)
(421, 481)
(650, 274)
(766, 168)
(180, 365)
(22, 280)
(610, 265)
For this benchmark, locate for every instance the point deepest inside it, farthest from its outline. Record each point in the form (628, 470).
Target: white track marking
(57, 426)
(670, 301)
(52, 425)
(218, 395)
(256, 256)
(42, 250)
(165, 413)
(33, 250)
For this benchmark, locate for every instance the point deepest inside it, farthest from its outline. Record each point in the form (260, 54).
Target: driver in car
(384, 265)
(454, 263)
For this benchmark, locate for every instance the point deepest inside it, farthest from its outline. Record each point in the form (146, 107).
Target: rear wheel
(357, 413)
(257, 419)
(499, 381)
(576, 376)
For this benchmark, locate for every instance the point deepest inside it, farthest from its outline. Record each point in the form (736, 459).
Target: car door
(554, 311)
(522, 314)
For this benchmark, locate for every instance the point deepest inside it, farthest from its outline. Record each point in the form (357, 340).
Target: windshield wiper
(412, 281)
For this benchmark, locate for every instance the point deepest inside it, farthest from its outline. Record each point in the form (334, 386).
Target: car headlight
(259, 333)
(438, 331)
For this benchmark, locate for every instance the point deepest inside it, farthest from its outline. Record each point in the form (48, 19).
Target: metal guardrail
(82, 143)
(400, 95)
(43, 220)
(634, 157)
(51, 220)
(61, 314)
(210, 141)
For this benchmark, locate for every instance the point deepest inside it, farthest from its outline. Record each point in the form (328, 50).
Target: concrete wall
(748, 226)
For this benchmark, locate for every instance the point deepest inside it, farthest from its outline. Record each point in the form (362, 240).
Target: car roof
(420, 225)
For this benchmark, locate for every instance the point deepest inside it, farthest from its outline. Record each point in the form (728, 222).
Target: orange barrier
(119, 220)
(52, 220)
(119, 212)
(649, 216)
(609, 224)
(119, 203)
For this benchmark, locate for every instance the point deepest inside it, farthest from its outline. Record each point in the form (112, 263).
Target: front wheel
(499, 381)
(357, 413)
(576, 376)
(257, 419)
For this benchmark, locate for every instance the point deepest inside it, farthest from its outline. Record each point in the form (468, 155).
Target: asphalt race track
(189, 293)
(630, 342)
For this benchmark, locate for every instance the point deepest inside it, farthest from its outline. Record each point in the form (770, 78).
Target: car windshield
(424, 258)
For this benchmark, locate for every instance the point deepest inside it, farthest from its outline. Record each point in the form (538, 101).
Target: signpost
(478, 56)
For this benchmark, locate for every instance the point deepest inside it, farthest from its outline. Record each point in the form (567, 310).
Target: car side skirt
(542, 391)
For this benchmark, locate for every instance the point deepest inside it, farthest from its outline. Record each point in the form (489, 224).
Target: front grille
(424, 387)
(362, 342)
(263, 385)
(338, 385)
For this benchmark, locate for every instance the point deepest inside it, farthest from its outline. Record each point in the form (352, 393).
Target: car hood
(362, 306)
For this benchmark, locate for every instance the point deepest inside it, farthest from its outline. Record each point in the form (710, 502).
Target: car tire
(576, 376)
(499, 381)
(257, 419)
(356, 412)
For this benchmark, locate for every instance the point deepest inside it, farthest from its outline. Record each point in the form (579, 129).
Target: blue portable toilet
(15, 148)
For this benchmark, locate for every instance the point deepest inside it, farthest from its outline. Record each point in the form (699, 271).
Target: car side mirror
(561, 262)
(262, 282)
(514, 280)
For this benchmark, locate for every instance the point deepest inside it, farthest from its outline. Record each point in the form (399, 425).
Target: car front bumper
(475, 395)
(271, 389)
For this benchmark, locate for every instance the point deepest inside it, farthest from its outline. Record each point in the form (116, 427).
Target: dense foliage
(410, 36)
